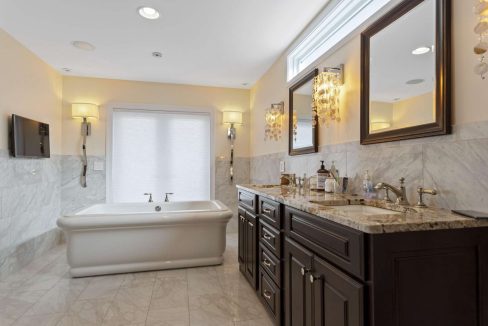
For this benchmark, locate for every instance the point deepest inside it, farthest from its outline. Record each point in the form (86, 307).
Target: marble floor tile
(170, 293)
(168, 317)
(44, 294)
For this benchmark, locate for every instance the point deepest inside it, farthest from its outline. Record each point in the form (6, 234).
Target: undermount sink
(364, 210)
(264, 186)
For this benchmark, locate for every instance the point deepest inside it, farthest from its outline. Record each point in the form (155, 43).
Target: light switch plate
(282, 166)
(98, 166)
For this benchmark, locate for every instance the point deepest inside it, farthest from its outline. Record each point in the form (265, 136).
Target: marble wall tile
(73, 196)
(460, 172)
(454, 164)
(30, 193)
(225, 189)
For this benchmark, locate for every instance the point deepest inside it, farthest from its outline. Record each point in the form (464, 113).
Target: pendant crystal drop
(481, 68)
(481, 48)
(481, 28)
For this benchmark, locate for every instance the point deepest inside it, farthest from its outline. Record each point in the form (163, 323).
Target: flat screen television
(29, 138)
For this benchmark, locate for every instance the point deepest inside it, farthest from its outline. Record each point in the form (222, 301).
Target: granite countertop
(402, 219)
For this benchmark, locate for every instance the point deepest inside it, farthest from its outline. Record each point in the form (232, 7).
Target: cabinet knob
(266, 262)
(313, 278)
(266, 211)
(267, 236)
(304, 271)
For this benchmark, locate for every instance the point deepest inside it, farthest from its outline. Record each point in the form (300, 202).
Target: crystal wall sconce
(481, 10)
(326, 95)
(84, 111)
(232, 118)
(274, 121)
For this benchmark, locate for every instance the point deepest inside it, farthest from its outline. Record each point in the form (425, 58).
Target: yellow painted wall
(30, 88)
(105, 91)
(470, 95)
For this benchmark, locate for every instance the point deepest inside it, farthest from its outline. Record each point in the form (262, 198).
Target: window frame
(111, 107)
(306, 42)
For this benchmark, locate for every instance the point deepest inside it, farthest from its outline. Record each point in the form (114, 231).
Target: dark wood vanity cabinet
(248, 237)
(310, 271)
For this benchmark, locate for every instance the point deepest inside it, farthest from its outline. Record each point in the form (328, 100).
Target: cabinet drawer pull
(304, 271)
(266, 262)
(267, 294)
(242, 218)
(250, 224)
(313, 278)
(267, 236)
(266, 211)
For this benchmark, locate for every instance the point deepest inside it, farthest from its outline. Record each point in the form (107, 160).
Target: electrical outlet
(282, 166)
(98, 166)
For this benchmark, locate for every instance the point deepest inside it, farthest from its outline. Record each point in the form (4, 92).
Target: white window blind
(158, 152)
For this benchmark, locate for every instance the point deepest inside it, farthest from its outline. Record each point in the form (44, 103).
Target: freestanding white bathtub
(121, 238)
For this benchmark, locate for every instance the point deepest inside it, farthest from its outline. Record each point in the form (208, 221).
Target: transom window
(343, 18)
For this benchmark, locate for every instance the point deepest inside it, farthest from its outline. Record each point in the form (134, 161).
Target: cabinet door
(337, 299)
(242, 235)
(251, 250)
(298, 262)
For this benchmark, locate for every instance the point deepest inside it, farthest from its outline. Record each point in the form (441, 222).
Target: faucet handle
(166, 196)
(421, 191)
(150, 196)
(402, 181)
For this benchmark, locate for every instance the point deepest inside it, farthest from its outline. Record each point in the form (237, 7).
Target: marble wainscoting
(456, 165)
(225, 189)
(74, 197)
(30, 192)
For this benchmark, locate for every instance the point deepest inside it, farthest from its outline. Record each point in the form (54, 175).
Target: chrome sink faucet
(166, 196)
(401, 193)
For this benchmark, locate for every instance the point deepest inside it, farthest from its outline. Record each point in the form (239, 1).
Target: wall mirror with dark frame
(303, 131)
(405, 73)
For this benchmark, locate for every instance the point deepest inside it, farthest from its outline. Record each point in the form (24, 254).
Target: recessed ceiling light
(245, 84)
(421, 50)
(157, 54)
(83, 45)
(66, 69)
(396, 99)
(148, 12)
(415, 81)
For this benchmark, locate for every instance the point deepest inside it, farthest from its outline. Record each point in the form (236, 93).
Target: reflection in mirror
(303, 130)
(403, 71)
(302, 116)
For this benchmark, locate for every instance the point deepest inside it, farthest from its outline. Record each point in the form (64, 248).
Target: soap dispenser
(322, 175)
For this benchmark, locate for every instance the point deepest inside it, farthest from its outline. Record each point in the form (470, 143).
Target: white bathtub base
(142, 267)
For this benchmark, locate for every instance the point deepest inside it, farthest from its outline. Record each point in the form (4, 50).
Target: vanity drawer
(341, 245)
(269, 211)
(270, 237)
(270, 296)
(247, 200)
(270, 264)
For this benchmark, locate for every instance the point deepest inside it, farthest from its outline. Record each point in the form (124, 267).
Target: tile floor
(44, 294)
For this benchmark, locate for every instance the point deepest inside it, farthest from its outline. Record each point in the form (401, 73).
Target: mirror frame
(442, 125)
(315, 132)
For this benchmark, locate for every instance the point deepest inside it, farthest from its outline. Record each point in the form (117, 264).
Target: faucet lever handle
(150, 196)
(166, 196)
(421, 191)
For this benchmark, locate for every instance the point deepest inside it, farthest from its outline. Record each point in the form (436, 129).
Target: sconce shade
(84, 110)
(232, 117)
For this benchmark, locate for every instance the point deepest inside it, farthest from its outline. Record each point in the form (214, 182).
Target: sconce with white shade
(232, 118)
(274, 121)
(326, 95)
(84, 111)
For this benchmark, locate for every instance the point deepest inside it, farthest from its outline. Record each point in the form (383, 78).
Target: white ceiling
(392, 61)
(204, 42)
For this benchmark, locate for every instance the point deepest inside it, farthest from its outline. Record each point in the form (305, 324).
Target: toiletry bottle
(322, 175)
(367, 184)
